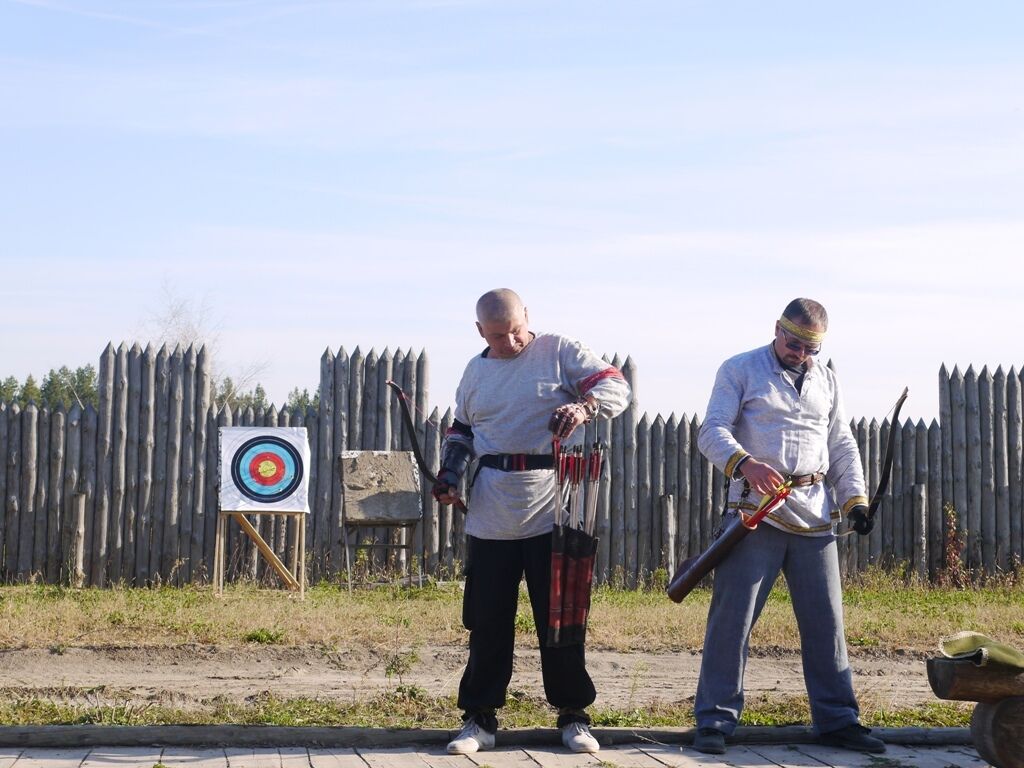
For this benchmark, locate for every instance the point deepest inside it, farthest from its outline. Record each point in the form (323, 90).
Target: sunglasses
(793, 345)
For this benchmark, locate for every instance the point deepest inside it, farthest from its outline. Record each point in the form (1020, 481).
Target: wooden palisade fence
(128, 492)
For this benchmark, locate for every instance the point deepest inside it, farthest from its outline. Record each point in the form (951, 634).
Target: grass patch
(412, 707)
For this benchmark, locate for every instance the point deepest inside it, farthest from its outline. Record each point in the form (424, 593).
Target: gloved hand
(859, 520)
(566, 418)
(446, 489)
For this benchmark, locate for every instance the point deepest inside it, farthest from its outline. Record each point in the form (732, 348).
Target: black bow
(883, 481)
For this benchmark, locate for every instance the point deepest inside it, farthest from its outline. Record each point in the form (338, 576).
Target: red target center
(266, 468)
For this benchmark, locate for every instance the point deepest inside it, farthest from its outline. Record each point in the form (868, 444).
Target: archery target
(264, 468)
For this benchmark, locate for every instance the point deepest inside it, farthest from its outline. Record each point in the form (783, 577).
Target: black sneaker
(710, 741)
(854, 736)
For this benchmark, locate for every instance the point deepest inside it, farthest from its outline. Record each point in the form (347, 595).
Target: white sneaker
(577, 738)
(472, 738)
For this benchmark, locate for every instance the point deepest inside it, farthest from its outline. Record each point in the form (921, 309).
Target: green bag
(981, 649)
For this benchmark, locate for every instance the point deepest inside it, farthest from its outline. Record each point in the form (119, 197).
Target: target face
(264, 468)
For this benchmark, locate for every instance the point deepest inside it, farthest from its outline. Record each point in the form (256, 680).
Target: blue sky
(655, 178)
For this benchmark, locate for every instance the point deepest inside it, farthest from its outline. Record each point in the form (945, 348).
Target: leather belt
(517, 462)
(801, 481)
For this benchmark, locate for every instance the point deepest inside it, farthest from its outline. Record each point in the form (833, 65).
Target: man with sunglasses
(775, 415)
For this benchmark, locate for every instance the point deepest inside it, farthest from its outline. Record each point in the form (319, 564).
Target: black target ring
(266, 469)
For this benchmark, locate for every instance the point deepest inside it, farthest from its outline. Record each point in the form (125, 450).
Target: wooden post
(946, 436)
(629, 455)
(974, 476)
(339, 443)
(668, 516)
(1000, 469)
(147, 444)
(958, 407)
(1015, 462)
(29, 463)
(187, 475)
(936, 538)
(170, 557)
(197, 542)
(448, 527)
(431, 512)
(986, 412)
(40, 505)
(603, 528)
(119, 450)
(90, 429)
(909, 445)
(707, 519)
(55, 501)
(321, 506)
(355, 401)
(212, 493)
(3, 486)
(672, 486)
(313, 437)
(617, 545)
(657, 490)
(78, 542)
(129, 568)
(104, 470)
(72, 462)
(696, 458)
(12, 501)
(887, 554)
(644, 507)
(875, 544)
(900, 552)
(919, 558)
(158, 520)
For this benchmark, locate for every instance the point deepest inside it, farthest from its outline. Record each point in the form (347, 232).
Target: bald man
(503, 406)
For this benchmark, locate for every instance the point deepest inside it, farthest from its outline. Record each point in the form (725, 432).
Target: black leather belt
(517, 462)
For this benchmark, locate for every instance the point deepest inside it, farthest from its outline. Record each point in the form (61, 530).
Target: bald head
(499, 305)
(501, 319)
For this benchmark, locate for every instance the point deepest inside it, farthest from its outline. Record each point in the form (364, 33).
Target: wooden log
(197, 544)
(90, 429)
(986, 418)
(339, 443)
(871, 477)
(210, 497)
(313, 437)
(696, 458)
(397, 375)
(644, 507)
(187, 474)
(707, 512)
(604, 507)
(657, 490)
(683, 492)
(129, 572)
(958, 406)
(72, 464)
(1000, 471)
(946, 436)
(431, 511)
(448, 514)
(321, 522)
(41, 505)
(963, 680)
(383, 441)
(997, 730)
(12, 503)
(888, 552)
(411, 538)
(919, 553)
(417, 383)
(974, 476)
(229, 566)
(119, 451)
(78, 542)
(630, 484)
(671, 473)
(617, 545)
(99, 562)
(162, 398)
(29, 475)
(898, 553)
(370, 412)
(355, 400)
(1015, 462)
(668, 517)
(55, 495)
(936, 538)
(147, 443)
(909, 445)
(170, 558)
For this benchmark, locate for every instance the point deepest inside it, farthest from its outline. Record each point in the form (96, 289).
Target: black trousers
(493, 572)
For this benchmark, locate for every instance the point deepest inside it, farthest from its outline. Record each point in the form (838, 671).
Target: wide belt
(800, 481)
(517, 462)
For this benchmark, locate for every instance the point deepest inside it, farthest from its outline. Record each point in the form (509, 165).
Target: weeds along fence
(127, 492)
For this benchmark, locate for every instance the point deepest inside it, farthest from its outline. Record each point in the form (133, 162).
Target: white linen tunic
(508, 403)
(755, 409)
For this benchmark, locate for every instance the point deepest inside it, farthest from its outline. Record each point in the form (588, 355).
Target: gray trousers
(742, 583)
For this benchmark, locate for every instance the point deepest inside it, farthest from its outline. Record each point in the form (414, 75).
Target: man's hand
(859, 520)
(446, 489)
(760, 476)
(566, 418)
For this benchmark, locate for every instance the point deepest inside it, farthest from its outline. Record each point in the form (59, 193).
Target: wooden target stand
(293, 575)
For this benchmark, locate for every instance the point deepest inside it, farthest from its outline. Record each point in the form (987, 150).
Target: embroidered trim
(800, 332)
(734, 460)
(853, 502)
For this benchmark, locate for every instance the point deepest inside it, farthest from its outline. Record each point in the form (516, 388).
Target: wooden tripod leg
(265, 550)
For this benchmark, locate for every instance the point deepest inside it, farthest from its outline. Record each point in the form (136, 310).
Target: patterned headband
(814, 337)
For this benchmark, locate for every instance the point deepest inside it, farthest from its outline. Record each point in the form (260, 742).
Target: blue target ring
(266, 469)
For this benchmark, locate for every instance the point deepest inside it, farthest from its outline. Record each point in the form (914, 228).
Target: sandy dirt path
(184, 676)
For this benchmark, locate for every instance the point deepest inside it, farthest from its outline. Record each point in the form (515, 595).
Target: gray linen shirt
(756, 410)
(508, 404)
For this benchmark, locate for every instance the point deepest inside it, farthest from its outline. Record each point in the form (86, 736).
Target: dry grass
(883, 613)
